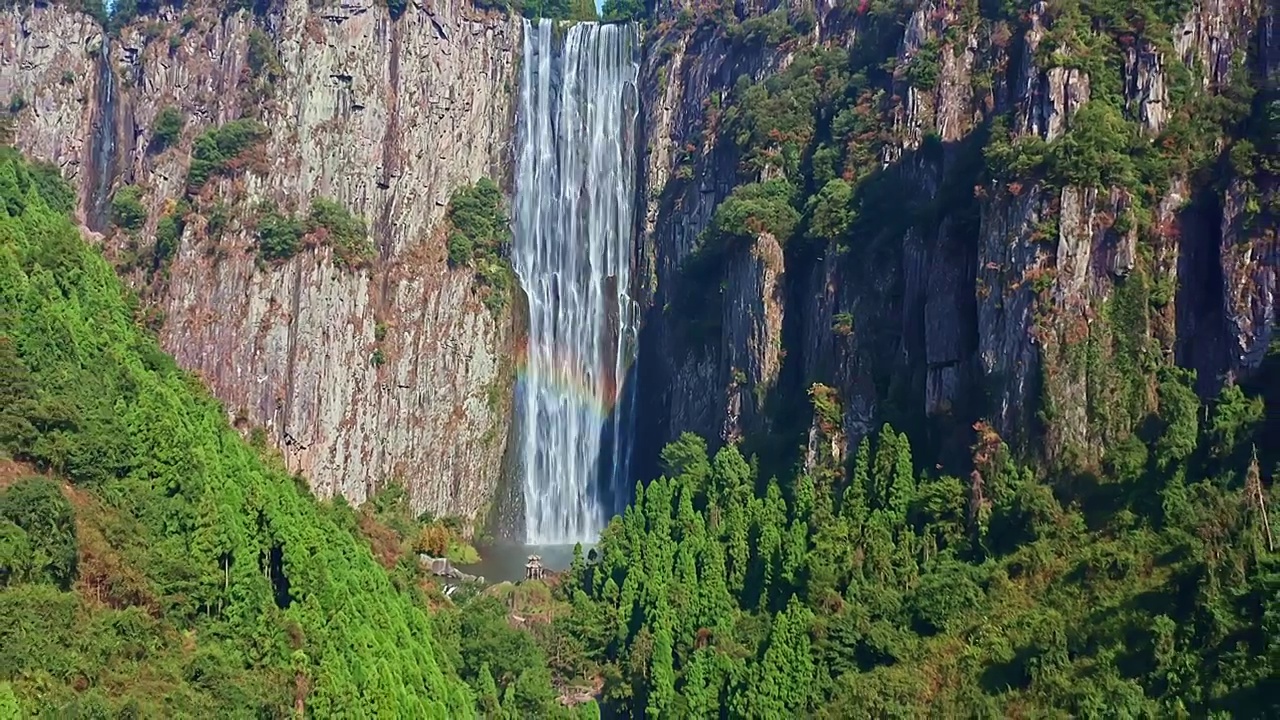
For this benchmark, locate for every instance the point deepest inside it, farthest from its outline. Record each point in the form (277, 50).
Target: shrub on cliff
(279, 236)
(168, 234)
(167, 128)
(831, 212)
(925, 67)
(344, 232)
(771, 29)
(1095, 151)
(263, 57)
(476, 211)
(218, 150)
(479, 232)
(328, 222)
(126, 208)
(756, 208)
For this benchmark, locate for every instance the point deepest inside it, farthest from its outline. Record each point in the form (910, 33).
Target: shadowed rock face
(979, 316)
(386, 117)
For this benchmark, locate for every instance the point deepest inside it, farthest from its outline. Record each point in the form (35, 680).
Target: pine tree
(662, 679)
(853, 503)
(683, 590)
(686, 459)
(883, 468)
(688, 521)
(701, 691)
(769, 562)
(487, 694)
(795, 552)
(733, 477)
(716, 604)
(627, 599)
(786, 672)
(804, 498)
(878, 548)
(577, 569)
(903, 490)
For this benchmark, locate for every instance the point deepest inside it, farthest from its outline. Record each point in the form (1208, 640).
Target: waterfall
(102, 157)
(574, 212)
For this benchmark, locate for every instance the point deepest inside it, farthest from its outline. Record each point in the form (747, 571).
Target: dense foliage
(836, 153)
(220, 150)
(153, 563)
(167, 128)
(328, 223)
(479, 236)
(126, 208)
(1142, 585)
(206, 581)
(867, 589)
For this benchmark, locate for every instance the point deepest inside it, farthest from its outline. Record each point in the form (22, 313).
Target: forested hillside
(1151, 591)
(157, 566)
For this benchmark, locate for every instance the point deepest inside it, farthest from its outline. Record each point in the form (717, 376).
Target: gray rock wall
(387, 117)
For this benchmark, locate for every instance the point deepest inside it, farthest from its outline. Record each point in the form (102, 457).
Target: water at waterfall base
(505, 562)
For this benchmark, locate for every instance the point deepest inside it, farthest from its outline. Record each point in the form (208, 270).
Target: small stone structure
(442, 567)
(533, 569)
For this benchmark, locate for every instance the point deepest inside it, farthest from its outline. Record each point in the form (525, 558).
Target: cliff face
(359, 375)
(1039, 303)
(1047, 305)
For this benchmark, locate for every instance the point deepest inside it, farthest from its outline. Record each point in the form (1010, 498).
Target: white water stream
(574, 215)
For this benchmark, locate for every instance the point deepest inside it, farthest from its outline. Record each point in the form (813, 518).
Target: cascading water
(574, 211)
(102, 167)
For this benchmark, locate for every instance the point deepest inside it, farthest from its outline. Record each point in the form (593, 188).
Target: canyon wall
(389, 370)
(1034, 305)
(1039, 306)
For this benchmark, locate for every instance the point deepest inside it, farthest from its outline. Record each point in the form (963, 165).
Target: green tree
(487, 694)
(126, 208)
(662, 696)
(617, 10)
(577, 569)
(167, 128)
(686, 458)
(831, 213)
(786, 673)
(854, 500)
(37, 506)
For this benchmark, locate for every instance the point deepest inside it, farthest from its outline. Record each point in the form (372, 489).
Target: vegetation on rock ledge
(221, 150)
(479, 236)
(327, 223)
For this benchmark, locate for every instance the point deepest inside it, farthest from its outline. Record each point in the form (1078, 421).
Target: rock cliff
(1044, 301)
(991, 267)
(361, 375)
